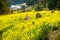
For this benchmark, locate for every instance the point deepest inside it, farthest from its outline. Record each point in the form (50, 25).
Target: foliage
(3, 6)
(23, 7)
(39, 7)
(51, 4)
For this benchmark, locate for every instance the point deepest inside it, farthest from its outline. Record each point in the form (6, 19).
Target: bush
(23, 7)
(39, 7)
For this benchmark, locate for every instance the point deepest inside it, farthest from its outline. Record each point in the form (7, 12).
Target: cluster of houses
(21, 7)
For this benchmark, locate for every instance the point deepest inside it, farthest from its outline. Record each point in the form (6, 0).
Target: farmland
(14, 27)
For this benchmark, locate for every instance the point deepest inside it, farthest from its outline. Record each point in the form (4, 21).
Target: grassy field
(14, 27)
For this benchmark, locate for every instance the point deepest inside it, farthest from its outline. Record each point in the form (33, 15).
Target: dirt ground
(53, 34)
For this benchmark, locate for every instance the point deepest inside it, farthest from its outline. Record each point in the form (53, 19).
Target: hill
(14, 27)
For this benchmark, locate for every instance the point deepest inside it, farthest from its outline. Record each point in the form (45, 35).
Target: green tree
(3, 6)
(37, 4)
(53, 4)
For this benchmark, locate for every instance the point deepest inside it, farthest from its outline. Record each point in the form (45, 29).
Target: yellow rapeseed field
(14, 27)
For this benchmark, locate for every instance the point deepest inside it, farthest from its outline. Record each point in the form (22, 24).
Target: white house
(15, 7)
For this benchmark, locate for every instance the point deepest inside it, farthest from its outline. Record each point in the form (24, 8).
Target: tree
(53, 4)
(35, 3)
(58, 4)
(32, 2)
(3, 6)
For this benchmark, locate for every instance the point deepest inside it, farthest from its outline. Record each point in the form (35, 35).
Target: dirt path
(53, 34)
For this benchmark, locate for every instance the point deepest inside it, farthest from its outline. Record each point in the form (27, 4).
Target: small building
(15, 7)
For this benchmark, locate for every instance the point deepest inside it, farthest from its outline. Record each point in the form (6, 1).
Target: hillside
(14, 27)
